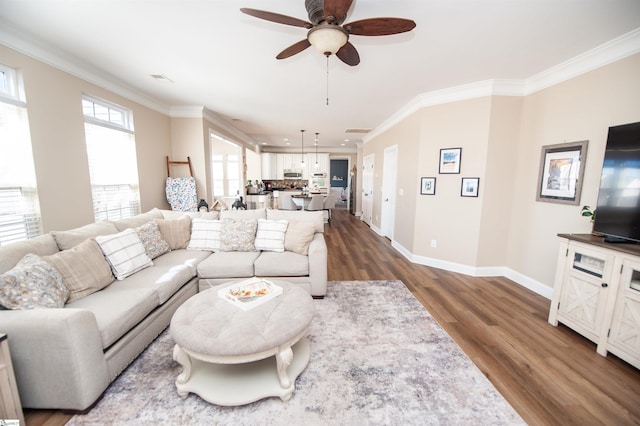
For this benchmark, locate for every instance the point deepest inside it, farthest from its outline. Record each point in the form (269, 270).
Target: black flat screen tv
(618, 210)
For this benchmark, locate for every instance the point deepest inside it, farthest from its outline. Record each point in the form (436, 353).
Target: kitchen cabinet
(597, 294)
(274, 164)
(269, 166)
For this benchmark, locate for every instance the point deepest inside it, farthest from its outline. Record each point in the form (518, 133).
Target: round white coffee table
(234, 357)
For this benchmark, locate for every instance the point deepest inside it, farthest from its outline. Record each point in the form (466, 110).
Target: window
(19, 208)
(225, 167)
(113, 165)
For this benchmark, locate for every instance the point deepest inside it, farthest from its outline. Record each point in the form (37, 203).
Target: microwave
(292, 174)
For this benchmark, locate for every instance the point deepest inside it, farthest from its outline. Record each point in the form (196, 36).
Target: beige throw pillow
(176, 232)
(299, 236)
(83, 268)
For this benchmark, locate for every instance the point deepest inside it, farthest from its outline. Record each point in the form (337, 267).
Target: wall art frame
(428, 186)
(561, 172)
(469, 187)
(450, 159)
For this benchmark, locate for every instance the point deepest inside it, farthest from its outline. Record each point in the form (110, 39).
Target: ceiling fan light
(328, 39)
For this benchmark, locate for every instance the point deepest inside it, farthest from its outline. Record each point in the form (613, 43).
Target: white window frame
(129, 199)
(20, 217)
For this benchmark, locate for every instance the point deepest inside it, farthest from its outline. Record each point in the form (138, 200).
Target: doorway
(389, 183)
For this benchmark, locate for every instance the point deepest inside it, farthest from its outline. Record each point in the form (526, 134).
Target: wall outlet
(434, 243)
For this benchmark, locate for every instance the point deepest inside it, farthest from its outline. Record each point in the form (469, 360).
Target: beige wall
(579, 109)
(57, 133)
(501, 139)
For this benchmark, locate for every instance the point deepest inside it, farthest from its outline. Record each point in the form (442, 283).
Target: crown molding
(223, 125)
(50, 55)
(186, 111)
(619, 48)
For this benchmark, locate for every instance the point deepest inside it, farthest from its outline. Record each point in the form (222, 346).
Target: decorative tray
(250, 293)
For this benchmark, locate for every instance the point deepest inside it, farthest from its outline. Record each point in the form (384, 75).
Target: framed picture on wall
(428, 186)
(450, 160)
(469, 187)
(561, 172)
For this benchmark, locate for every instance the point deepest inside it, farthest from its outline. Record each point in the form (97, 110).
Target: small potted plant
(586, 211)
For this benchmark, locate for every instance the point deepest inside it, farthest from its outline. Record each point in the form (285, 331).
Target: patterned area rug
(378, 358)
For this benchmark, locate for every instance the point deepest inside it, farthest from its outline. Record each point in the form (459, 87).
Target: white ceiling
(224, 60)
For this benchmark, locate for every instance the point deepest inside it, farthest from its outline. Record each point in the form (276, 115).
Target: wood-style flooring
(550, 375)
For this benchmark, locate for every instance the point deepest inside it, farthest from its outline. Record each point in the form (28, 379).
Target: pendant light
(317, 165)
(302, 147)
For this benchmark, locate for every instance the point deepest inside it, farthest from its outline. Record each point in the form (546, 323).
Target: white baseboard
(473, 271)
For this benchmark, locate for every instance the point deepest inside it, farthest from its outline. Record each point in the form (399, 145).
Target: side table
(10, 407)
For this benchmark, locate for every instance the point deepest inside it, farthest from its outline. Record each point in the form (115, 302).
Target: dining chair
(285, 202)
(316, 203)
(329, 203)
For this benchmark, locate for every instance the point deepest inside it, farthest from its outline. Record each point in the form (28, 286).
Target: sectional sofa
(79, 305)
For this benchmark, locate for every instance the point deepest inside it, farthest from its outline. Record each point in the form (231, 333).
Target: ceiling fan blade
(348, 54)
(277, 18)
(338, 9)
(293, 49)
(380, 26)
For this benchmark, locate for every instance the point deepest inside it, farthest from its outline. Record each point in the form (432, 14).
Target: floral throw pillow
(32, 283)
(152, 240)
(238, 234)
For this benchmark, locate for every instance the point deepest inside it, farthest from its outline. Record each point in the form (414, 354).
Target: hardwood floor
(550, 375)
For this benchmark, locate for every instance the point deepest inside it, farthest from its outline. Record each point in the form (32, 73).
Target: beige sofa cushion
(314, 217)
(228, 264)
(83, 268)
(176, 232)
(73, 237)
(244, 214)
(117, 309)
(272, 264)
(11, 254)
(135, 221)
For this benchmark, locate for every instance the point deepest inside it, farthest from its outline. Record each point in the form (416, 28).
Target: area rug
(378, 358)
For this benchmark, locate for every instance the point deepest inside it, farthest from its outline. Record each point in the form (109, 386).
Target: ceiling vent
(357, 130)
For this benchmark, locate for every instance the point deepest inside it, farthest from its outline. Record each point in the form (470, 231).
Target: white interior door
(367, 189)
(389, 190)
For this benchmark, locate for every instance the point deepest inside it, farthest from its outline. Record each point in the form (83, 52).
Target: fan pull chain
(327, 79)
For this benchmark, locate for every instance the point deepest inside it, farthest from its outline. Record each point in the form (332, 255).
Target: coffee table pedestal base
(239, 384)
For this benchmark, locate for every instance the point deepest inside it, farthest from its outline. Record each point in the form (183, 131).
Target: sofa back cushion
(314, 217)
(244, 214)
(73, 237)
(83, 268)
(138, 220)
(11, 254)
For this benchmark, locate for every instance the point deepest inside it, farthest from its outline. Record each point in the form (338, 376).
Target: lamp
(302, 148)
(327, 38)
(203, 206)
(316, 166)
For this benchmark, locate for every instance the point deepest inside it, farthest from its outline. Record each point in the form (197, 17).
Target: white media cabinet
(597, 293)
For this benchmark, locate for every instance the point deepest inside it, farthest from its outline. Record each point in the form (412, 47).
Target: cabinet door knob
(605, 285)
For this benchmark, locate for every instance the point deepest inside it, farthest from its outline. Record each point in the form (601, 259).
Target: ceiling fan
(326, 31)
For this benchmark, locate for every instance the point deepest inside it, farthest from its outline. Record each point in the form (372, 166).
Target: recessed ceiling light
(264, 143)
(342, 144)
(346, 140)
